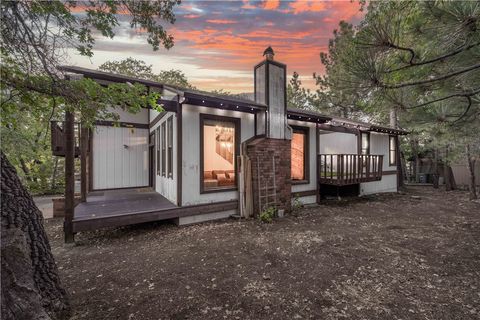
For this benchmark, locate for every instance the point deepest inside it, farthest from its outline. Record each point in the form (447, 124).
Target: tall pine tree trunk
(471, 168)
(450, 183)
(31, 286)
(435, 169)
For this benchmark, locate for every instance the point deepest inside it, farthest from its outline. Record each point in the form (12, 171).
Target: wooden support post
(398, 160)
(83, 162)
(319, 160)
(69, 176)
(179, 152)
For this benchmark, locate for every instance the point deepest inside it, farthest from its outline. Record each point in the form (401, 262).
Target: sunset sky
(217, 43)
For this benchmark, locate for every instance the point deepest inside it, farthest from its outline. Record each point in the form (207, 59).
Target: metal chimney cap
(269, 50)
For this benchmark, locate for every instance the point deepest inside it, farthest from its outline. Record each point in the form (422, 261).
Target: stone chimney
(271, 89)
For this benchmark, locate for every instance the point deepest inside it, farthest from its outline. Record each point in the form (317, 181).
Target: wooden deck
(115, 208)
(348, 169)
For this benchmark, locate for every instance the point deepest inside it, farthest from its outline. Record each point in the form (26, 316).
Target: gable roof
(190, 96)
(199, 98)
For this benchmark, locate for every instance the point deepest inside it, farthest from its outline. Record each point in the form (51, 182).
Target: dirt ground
(414, 255)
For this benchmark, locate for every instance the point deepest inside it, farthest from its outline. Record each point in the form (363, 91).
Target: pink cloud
(221, 21)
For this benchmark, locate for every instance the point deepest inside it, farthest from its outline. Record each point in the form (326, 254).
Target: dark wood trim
(390, 162)
(83, 162)
(163, 148)
(255, 125)
(179, 151)
(301, 194)
(389, 172)
(121, 124)
(169, 147)
(328, 127)
(90, 159)
(157, 119)
(350, 168)
(237, 123)
(306, 160)
(69, 176)
(121, 188)
(267, 99)
(359, 141)
(152, 177)
(400, 182)
(317, 167)
(149, 216)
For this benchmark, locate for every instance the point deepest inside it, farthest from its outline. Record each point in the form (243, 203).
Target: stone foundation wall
(261, 153)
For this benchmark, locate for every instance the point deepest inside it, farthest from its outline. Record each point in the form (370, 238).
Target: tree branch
(465, 94)
(415, 83)
(448, 55)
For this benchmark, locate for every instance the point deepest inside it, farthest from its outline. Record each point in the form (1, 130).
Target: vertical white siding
(115, 166)
(338, 142)
(125, 116)
(379, 144)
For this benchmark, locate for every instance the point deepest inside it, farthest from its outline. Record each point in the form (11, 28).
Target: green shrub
(267, 215)
(296, 205)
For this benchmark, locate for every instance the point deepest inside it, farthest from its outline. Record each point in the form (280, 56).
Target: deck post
(83, 162)
(317, 157)
(69, 176)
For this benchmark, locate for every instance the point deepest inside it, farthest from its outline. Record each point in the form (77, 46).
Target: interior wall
(213, 161)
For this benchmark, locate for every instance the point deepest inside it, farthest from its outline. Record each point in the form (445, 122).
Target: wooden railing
(58, 138)
(347, 169)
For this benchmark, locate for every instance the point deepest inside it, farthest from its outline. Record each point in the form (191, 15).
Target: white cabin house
(208, 156)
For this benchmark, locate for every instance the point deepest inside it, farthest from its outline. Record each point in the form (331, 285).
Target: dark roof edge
(107, 76)
(367, 126)
(101, 75)
(307, 113)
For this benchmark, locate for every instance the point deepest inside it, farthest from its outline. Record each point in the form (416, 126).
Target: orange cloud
(271, 4)
(221, 21)
(300, 6)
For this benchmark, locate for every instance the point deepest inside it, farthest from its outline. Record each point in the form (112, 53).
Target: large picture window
(299, 155)
(219, 149)
(392, 154)
(365, 140)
